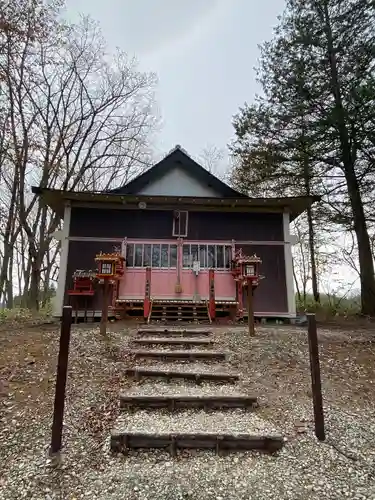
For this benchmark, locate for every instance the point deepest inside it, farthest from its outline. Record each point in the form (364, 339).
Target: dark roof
(177, 157)
(230, 200)
(56, 200)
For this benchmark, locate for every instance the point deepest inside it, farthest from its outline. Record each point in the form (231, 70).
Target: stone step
(178, 317)
(162, 341)
(220, 431)
(164, 388)
(173, 355)
(184, 401)
(197, 375)
(184, 332)
(180, 322)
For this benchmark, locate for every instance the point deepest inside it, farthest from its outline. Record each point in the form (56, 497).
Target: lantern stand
(110, 266)
(245, 270)
(83, 286)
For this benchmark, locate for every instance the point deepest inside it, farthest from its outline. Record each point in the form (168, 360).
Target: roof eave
(56, 200)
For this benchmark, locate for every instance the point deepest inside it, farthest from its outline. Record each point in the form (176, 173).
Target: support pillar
(240, 299)
(104, 318)
(250, 310)
(147, 301)
(212, 306)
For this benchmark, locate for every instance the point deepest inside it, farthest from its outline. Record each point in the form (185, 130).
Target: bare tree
(77, 118)
(212, 160)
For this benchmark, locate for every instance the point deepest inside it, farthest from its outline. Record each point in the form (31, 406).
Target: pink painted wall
(224, 284)
(132, 285)
(163, 282)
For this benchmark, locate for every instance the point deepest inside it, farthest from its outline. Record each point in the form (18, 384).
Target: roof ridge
(178, 147)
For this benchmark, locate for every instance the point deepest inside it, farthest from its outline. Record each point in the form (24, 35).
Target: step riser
(171, 332)
(220, 443)
(173, 342)
(179, 319)
(186, 356)
(173, 404)
(198, 378)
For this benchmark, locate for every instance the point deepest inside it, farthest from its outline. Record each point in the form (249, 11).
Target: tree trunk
(9, 239)
(9, 290)
(9, 282)
(33, 295)
(299, 297)
(366, 264)
(314, 277)
(26, 288)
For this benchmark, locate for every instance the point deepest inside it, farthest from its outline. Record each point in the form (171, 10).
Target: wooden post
(212, 306)
(316, 383)
(250, 311)
(62, 367)
(147, 300)
(240, 299)
(104, 318)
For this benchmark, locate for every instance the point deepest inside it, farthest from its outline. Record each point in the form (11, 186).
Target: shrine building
(177, 232)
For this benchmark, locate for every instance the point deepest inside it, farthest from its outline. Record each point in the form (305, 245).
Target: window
(155, 255)
(164, 261)
(209, 256)
(106, 268)
(147, 249)
(138, 255)
(180, 223)
(186, 256)
(250, 270)
(202, 255)
(228, 257)
(220, 257)
(173, 256)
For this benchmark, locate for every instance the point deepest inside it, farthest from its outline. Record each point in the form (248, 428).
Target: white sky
(203, 52)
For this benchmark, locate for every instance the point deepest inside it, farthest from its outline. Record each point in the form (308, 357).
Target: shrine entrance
(179, 270)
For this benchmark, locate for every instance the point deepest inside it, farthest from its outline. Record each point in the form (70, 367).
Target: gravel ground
(273, 365)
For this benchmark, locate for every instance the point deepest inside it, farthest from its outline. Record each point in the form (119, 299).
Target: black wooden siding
(157, 224)
(271, 294)
(235, 225)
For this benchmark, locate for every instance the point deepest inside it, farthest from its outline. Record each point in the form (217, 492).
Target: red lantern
(110, 265)
(246, 269)
(110, 270)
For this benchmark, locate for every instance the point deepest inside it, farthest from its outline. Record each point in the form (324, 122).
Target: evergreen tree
(312, 128)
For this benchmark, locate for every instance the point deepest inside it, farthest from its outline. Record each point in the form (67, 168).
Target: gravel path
(273, 365)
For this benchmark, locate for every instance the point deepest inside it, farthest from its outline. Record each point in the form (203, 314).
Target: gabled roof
(178, 157)
(128, 196)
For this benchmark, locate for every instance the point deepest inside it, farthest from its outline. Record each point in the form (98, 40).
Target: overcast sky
(203, 51)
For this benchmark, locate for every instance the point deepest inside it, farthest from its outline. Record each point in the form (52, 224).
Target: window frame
(182, 234)
(130, 265)
(227, 249)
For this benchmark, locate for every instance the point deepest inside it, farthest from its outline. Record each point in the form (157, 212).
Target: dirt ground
(274, 365)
